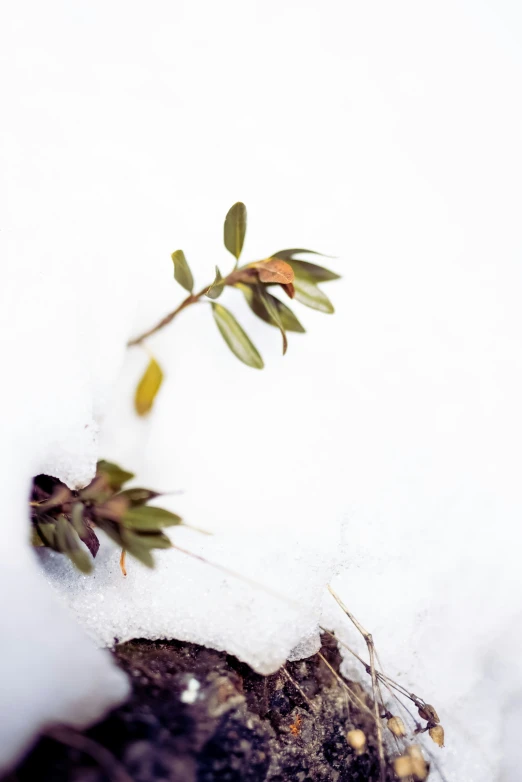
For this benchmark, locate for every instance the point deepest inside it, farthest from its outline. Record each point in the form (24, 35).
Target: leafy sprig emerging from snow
(63, 519)
(282, 271)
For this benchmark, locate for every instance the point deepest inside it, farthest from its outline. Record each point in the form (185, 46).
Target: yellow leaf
(148, 387)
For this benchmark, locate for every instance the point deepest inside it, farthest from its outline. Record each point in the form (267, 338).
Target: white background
(387, 134)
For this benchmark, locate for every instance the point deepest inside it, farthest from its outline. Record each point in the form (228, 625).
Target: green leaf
(47, 533)
(235, 229)
(274, 315)
(235, 337)
(286, 316)
(312, 272)
(133, 544)
(68, 542)
(112, 529)
(138, 496)
(148, 387)
(66, 537)
(154, 540)
(146, 518)
(35, 538)
(288, 255)
(182, 273)
(311, 296)
(216, 289)
(81, 560)
(77, 517)
(113, 474)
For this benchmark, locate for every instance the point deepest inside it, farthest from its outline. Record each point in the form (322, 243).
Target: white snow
(184, 598)
(387, 134)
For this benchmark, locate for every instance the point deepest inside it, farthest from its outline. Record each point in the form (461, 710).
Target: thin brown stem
(192, 298)
(351, 695)
(388, 683)
(298, 688)
(237, 275)
(371, 651)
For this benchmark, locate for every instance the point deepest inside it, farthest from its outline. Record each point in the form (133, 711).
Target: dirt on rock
(197, 715)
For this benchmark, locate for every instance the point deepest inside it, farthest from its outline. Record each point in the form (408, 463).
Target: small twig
(192, 298)
(351, 695)
(384, 679)
(298, 688)
(371, 651)
(105, 759)
(235, 276)
(388, 683)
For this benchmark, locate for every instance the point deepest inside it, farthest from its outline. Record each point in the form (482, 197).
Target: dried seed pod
(357, 740)
(428, 713)
(403, 767)
(419, 767)
(396, 725)
(437, 734)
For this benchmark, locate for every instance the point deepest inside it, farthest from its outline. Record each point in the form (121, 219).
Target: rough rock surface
(197, 715)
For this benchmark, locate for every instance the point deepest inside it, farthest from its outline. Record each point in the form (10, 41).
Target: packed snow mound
(400, 416)
(255, 602)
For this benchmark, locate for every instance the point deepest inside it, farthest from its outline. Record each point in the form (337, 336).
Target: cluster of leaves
(298, 279)
(66, 520)
(63, 519)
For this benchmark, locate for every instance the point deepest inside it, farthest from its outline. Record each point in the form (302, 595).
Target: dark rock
(196, 715)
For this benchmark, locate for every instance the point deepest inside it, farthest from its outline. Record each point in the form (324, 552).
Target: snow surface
(387, 134)
(187, 599)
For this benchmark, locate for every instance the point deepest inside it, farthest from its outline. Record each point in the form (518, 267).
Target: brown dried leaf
(274, 271)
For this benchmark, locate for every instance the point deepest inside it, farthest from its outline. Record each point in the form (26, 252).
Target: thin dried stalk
(371, 651)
